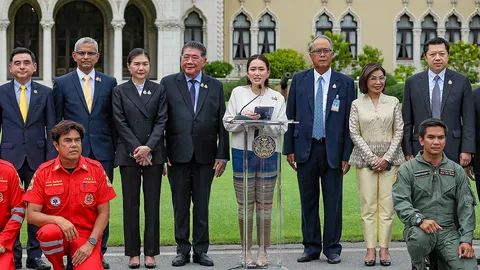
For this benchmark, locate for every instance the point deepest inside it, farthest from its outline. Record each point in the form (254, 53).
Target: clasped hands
(142, 155)
(380, 164)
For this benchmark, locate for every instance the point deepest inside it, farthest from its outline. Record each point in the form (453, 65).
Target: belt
(319, 141)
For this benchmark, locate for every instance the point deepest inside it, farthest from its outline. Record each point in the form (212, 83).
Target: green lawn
(223, 212)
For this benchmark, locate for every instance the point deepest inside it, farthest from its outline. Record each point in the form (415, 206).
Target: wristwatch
(92, 241)
(419, 221)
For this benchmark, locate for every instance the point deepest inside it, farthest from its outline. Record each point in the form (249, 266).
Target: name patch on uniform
(88, 199)
(54, 183)
(446, 172)
(55, 201)
(422, 173)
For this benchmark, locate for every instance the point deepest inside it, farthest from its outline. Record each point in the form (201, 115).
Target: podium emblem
(264, 146)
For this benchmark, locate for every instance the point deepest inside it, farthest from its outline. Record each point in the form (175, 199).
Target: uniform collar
(82, 164)
(420, 159)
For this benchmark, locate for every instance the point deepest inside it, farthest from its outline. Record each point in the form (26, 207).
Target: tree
(402, 72)
(342, 57)
(369, 55)
(218, 69)
(464, 58)
(285, 60)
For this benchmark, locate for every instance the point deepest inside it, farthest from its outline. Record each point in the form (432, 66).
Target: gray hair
(310, 45)
(195, 45)
(85, 40)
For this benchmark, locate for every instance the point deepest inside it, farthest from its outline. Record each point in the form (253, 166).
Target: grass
(223, 212)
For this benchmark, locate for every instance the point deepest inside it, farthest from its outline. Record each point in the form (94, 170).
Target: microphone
(239, 116)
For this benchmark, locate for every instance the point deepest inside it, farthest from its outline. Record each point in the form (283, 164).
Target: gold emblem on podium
(264, 146)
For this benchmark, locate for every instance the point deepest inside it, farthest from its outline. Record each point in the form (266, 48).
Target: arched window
(27, 30)
(132, 34)
(429, 30)
(323, 25)
(349, 32)
(266, 34)
(404, 38)
(453, 28)
(241, 37)
(474, 35)
(193, 28)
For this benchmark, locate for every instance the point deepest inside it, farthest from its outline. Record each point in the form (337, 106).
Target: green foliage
(395, 90)
(369, 55)
(228, 87)
(464, 58)
(390, 80)
(342, 57)
(218, 69)
(402, 72)
(285, 60)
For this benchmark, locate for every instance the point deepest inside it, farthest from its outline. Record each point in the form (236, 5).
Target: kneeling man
(434, 200)
(68, 199)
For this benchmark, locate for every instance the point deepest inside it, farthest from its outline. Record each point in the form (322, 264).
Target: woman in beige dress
(376, 129)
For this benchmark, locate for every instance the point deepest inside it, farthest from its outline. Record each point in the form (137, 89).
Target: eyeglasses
(82, 53)
(322, 51)
(381, 79)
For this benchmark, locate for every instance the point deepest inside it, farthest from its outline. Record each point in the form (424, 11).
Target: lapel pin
(334, 86)
(274, 98)
(449, 81)
(149, 92)
(35, 91)
(144, 92)
(98, 79)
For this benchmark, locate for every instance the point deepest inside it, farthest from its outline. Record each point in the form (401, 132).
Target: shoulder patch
(446, 172)
(422, 173)
(46, 164)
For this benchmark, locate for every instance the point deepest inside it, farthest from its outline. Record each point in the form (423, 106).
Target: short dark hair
(136, 52)
(64, 127)
(260, 57)
(436, 41)
(431, 122)
(20, 50)
(367, 71)
(195, 45)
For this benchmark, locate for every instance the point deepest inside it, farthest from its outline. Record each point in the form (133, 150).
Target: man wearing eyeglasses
(85, 96)
(319, 148)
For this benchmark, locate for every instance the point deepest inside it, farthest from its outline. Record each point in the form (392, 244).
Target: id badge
(335, 104)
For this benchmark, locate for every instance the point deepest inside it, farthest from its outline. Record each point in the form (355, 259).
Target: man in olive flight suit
(433, 198)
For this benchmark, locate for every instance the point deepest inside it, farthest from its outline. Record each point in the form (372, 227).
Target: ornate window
(27, 30)
(132, 34)
(474, 35)
(193, 28)
(429, 30)
(404, 38)
(349, 32)
(323, 25)
(266, 34)
(453, 29)
(241, 37)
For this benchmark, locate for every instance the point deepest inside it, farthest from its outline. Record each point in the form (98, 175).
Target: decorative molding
(4, 24)
(349, 2)
(267, 2)
(405, 3)
(454, 3)
(47, 24)
(118, 24)
(429, 3)
(220, 34)
(459, 16)
(324, 2)
(477, 2)
(330, 15)
(242, 2)
(168, 24)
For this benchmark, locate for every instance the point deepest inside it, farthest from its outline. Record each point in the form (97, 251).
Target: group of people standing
(88, 125)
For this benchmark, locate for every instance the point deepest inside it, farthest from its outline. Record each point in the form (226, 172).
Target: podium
(262, 194)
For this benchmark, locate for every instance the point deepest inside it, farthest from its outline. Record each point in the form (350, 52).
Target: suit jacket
(197, 134)
(476, 159)
(139, 120)
(457, 111)
(32, 139)
(298, 138)
(70, 104)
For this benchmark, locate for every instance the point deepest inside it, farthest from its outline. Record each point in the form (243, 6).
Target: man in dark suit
(85, 96)
(320, 145)
(444, 94)
(197, 149)
(26, 117)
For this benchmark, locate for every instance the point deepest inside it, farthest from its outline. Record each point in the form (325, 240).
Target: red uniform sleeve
(105, 192)
(17, 210)
(35, 189)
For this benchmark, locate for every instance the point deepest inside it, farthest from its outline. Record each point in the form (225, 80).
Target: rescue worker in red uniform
(68, 199)
(12, 212)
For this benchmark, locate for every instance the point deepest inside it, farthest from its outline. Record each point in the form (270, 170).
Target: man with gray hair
(85, 96)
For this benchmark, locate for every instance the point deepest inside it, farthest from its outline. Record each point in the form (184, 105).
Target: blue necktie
(192, 93)
(318, 130)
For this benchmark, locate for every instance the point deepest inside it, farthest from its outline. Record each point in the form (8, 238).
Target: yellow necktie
(87, 92)
(23, 102)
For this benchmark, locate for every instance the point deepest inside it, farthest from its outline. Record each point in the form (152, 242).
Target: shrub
(395, 90)
(285, 60)
(464, 58)
(342, 57)
(402, 72)
(228, 86)
(218, 69)
(390, 80)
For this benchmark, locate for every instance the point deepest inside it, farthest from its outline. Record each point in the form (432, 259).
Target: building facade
(399, 28)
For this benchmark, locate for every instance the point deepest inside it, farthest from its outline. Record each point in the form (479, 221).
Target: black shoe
(133, 265)
(38, 264)
(305, 257)
(105, 264)
(334, 258)
(150, 265)
(370, 262)
(18, 265)
(413, 267)
(478, 260)
(202, 259)
(69, 265)
(181, 259)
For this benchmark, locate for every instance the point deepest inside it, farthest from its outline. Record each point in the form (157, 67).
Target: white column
(47, 51)
(254, 41)
(117, 52)
(159, 26)
(417, 32)
(3, 50)
(441, 32)
(465, 33)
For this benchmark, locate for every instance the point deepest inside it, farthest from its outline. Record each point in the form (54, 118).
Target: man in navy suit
(26, 117)
(320, 145)
(85, 96)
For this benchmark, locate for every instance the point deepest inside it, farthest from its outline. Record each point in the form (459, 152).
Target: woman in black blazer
(140, 115)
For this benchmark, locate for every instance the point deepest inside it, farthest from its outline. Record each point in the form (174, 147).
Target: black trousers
(131, 180)
(33, 247)
(191, 182)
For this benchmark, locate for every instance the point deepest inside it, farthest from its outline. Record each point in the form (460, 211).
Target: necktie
(318, 129)
(436, 101)
(192, 93)
(23, 102)
(87, 92)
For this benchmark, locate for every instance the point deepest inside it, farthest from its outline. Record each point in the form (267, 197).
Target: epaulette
(94, 162)
(8, 164)
(46, 164)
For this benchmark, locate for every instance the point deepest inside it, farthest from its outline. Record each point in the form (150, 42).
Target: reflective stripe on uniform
(17, 218)
(51, 243)
(53, 251)
(18, 209)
